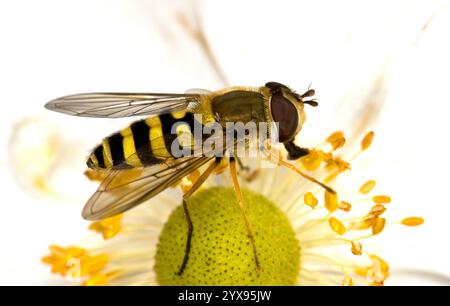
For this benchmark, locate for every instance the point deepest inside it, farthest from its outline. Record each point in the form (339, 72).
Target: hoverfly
(138, 161)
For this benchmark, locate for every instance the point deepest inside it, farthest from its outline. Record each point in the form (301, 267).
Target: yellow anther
(337, 226)
(337, 140)
(367, 140)
(356, 248)
(378, 227)
(109, 227)
(367, 187)
(382, 199)
(313, 160)
(413, 221)
(345, 206)
(310, 200)
(335, 136)
(378, 210)
(331, 201)
(339, 143)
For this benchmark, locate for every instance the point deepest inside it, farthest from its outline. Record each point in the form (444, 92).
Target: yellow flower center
(221, 253)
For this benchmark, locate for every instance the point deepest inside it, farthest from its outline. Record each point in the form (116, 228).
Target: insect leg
(240, 201)
(186, 196)
(241, 165)
(276, 159)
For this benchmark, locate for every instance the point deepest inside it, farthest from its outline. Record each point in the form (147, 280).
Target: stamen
(335, 136)
(337, 140)
(337, 226)
(345, 206)
(356, 248)
(109, 227)
(313, 160)
(331, 201)
(367, 140)
(310, 200)
(378, 210)
(412, 221)
(381, 199)
(367, 187)
(378, 227)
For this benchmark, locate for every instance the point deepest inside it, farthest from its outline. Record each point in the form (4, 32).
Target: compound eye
(285, 113)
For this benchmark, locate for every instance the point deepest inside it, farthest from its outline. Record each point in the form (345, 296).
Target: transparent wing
(198, 91)
(117, 105)
(122, 190)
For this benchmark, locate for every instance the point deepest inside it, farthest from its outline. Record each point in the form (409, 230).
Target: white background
(386, 55)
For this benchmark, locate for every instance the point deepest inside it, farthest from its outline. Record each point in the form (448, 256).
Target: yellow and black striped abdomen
(143, 143)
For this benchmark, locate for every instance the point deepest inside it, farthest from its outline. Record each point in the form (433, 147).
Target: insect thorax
(239, 106)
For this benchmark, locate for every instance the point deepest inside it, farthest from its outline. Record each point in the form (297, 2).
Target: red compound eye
(285, 113)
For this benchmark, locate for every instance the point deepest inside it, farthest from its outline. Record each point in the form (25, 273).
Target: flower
(300, 239)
